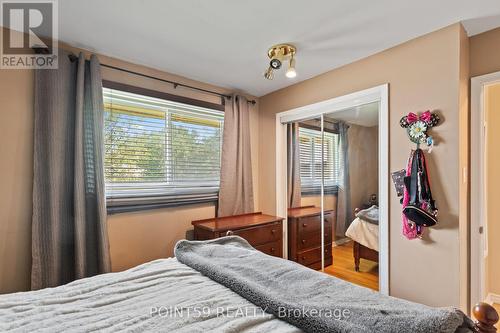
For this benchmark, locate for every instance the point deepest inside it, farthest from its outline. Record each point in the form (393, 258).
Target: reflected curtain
(236, 186)
(293, 165)
(344, 213)
(69, 230)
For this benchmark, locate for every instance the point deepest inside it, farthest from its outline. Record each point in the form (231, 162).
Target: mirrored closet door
(351, 175)
(332, 174)
(309, 215)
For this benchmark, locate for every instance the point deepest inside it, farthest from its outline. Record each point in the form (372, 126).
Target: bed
(160, 296)
(365, 240)
(222, 285)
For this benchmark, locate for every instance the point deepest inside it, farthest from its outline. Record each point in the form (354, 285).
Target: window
(310, 161)
(159, 152)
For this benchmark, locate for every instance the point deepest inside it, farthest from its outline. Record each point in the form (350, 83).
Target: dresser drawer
(261, 234)
(312, 224)
(311, 256)
(311, 240)
(273, 248)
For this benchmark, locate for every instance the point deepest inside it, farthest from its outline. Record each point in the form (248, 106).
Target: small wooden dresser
(304, 236)
(264, 232)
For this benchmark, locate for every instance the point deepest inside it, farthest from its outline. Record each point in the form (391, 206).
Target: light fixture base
(281, 51)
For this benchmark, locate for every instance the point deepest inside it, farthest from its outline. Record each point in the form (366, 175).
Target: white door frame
(376, 94)
(479, 242)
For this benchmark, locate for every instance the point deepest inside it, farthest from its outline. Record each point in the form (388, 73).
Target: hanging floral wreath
(417, 126)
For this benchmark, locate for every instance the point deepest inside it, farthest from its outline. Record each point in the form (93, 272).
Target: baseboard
(341, 241)
(492, 298)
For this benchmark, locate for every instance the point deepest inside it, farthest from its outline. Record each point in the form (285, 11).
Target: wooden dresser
(264, 232)
(304, 236)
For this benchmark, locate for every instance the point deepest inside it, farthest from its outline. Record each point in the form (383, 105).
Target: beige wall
(363, 163)
(423, 74)
(134, 237)
(16, 168)
(484, 53)
(315, 200)
(492, 104)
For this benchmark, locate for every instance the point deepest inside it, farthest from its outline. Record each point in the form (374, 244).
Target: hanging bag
(421, 208)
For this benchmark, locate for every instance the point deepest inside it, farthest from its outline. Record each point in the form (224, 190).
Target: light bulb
(291, 73)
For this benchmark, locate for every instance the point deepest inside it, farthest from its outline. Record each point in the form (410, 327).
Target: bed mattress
(364, 233)
(159, 296)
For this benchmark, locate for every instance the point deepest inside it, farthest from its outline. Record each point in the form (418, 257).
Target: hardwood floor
(343, 267)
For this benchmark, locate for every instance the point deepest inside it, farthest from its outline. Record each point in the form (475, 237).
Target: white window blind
(310, 160)
(160, 152)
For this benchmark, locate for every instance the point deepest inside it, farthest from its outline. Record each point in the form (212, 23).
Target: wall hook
(418, 125)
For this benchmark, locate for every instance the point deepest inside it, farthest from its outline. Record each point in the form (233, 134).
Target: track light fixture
(278, 54)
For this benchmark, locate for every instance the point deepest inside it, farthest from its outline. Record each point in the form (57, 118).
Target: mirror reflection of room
(341, 154)
(304, 177)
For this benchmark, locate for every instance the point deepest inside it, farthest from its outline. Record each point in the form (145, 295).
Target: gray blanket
(311, 300)
(369, 215)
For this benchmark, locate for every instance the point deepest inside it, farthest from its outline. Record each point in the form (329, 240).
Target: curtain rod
(73, 57)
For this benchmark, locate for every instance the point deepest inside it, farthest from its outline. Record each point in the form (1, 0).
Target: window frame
(316, 190)
(162, 95)
(113, 208)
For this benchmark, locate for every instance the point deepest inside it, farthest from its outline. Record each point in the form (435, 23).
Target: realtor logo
(28, 26)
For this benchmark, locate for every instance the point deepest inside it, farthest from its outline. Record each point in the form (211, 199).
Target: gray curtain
(293, 165)
(236, 188)
(69, 233)
(344, 213)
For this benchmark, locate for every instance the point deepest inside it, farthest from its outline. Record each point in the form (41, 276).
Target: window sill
(117, 209)
(328, 190)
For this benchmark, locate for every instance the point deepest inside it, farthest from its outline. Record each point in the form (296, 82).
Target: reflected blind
(159, 152)
(310, 159)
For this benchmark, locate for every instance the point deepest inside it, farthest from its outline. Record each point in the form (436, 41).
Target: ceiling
(363, 115)
(225, 42)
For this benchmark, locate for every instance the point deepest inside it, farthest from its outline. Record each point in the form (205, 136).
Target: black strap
(425, 182)
(414, 195)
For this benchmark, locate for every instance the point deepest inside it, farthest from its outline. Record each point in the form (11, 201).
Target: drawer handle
(272, 249)
(273, 231)
(304, 225)
(303, 241)
(303, 258)
(229, 233)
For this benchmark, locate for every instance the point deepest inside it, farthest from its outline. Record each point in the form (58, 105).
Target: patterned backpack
(419, 209)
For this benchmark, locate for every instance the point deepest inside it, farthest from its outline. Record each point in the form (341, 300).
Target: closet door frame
(378, 94)
(479, 204)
